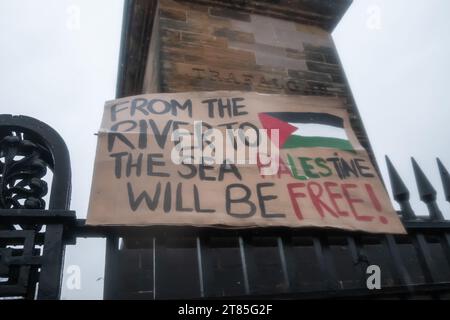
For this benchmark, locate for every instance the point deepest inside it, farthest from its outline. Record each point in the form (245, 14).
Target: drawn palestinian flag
(307, 130)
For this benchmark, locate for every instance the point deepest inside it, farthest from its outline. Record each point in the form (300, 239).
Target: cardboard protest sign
(235, 159)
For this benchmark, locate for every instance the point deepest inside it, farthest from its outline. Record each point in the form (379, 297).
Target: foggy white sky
(61, 72)
(61, 69)
(399, 78)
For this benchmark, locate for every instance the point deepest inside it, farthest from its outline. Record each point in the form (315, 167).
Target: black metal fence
(31, 232)
(181, 262)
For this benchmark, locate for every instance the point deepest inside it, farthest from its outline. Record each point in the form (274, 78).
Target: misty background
(59, 58)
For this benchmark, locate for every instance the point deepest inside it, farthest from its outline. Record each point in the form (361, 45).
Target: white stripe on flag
(319, 130)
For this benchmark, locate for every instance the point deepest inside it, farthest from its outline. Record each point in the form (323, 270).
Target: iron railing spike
(426, 189)
(400, 191)
(445, 177)
(427, 192)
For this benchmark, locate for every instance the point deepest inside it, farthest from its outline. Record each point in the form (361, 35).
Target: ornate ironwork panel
(31, 230)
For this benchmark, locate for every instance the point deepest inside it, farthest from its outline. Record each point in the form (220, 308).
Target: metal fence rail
(280, 262)
(31, 231)
(189, 262)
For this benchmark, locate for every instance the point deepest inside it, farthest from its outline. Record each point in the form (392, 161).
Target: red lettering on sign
(294, 195)
(335, 196)
(283, 169)
(373, 197)
(351, 201)
(315, 196)
(321, 195)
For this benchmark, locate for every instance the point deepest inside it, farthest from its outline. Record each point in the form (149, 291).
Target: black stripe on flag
(309, 117)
